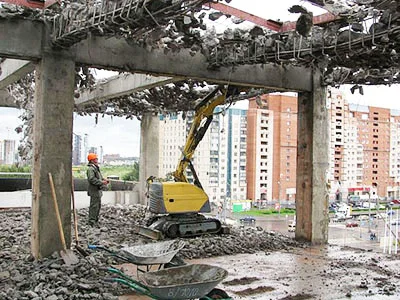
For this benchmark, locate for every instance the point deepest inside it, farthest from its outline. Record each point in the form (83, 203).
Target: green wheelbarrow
(196, 281)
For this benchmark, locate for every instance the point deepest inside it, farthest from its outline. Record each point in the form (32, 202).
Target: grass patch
(267, 211)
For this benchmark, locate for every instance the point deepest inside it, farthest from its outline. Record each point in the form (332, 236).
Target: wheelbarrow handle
(124, 276)
(113, 253)
(137, 287)
(96, 247)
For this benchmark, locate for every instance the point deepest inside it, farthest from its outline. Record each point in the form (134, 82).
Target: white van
(292, 226)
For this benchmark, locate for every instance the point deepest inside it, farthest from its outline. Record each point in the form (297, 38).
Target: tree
(133, 175)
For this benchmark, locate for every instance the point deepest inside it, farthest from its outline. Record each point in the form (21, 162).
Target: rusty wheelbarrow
(196, 281)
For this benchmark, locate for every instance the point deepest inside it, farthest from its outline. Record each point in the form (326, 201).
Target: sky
(120, 136)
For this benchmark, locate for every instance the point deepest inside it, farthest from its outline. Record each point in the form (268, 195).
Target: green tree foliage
(133, 175)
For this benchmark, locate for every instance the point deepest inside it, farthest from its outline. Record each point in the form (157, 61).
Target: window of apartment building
(288, 123)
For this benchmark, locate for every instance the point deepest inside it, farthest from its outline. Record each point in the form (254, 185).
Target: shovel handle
(60, 228)
(74, 211)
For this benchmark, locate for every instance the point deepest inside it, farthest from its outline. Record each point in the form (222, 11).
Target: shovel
(67, 255)
(78, 248)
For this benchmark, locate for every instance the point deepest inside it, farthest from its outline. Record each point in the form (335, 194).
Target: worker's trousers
(94, 209)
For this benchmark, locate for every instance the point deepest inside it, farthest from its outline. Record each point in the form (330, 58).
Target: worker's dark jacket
(95, 180)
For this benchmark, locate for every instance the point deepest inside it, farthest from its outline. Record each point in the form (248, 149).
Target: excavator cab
(177, 206)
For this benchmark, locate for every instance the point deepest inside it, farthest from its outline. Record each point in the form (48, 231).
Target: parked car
(247, 220)
(352, 224)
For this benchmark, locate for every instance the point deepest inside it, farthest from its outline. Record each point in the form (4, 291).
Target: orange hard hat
(91, 156)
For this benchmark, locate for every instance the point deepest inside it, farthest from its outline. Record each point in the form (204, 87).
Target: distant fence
(19, 184)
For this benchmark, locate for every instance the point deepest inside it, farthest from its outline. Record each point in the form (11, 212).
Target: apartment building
(76, 149)
(394, 167)
(8, 152)
(220, 157)
(272, 148)
(252, 154)
(364, 150)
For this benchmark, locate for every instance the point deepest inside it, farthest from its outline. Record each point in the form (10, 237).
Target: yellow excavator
(177, 206)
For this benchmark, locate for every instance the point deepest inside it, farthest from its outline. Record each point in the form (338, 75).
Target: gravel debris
(21, 277)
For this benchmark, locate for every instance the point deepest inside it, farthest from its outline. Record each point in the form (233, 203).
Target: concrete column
(53, 111)
(312, 215)
(149, 152)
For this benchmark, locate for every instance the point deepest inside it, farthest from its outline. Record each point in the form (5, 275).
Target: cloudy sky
(121, 136)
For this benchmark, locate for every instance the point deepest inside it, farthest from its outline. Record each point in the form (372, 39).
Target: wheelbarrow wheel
(217, 294)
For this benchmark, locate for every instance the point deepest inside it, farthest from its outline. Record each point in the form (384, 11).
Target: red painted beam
(229, 10)
(321, 19)
(273, 25)
(31, 3)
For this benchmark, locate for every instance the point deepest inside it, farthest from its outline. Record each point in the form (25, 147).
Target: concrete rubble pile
(23, 278)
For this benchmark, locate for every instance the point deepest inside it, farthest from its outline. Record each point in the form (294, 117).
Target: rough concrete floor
(326, 272)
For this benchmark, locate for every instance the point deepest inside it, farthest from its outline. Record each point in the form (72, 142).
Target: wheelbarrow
(148, 255)
(195, 281)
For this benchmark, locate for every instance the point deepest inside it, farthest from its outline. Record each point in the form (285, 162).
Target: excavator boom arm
(201, 121)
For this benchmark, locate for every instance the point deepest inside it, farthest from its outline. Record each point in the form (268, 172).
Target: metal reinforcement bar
(124, 18)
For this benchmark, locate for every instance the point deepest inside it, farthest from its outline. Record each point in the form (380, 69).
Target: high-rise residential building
(220, 157)
(101, 154)
(8, 152)
(272, 148)
(394, 167)
(252, 154)
(76, 149)
(85, 151)
(363, 149)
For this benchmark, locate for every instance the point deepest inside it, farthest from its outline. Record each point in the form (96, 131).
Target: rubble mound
(21, 277)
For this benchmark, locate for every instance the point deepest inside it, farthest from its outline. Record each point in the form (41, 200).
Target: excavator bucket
(154, 234)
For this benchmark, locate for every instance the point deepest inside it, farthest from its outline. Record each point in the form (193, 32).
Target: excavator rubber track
(172, 226)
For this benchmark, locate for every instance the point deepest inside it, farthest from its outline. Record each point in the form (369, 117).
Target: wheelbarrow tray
(183, 282)
(152, 253)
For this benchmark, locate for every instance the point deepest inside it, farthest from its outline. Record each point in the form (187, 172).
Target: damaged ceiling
(359, 45)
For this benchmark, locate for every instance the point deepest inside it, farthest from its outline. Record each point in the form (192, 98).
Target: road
(338, 233)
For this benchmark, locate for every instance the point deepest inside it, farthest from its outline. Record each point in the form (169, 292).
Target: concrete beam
(14, 69)
(6, 100)
(121, 85)
(23, 39)
(116, 54)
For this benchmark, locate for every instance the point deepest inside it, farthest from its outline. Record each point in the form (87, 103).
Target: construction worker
(96, 183)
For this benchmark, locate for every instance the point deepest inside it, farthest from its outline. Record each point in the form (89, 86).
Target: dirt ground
(323, 272)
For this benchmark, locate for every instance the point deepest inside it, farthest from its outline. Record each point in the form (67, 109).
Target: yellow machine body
(183, 197)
